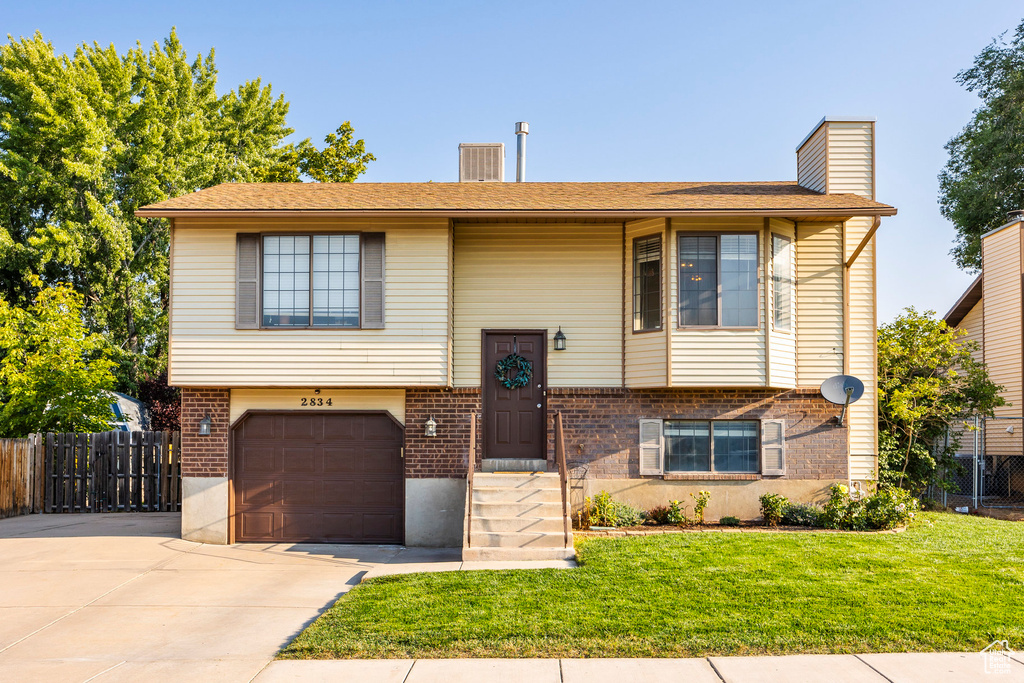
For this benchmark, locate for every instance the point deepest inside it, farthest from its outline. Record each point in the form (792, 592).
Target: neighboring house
(990, 312)
(325, 329)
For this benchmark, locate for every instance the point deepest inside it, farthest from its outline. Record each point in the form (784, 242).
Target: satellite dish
(842, 390)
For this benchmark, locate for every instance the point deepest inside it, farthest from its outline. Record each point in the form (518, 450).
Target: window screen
(286, 281)
(782, 281)
(647, 283)
(696, 445)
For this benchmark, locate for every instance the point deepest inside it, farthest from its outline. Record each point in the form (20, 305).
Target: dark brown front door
(514, 418)
(318, 477)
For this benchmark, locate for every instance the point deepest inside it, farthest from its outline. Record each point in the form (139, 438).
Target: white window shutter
(773, 447)
(247, 282)
(652, 446)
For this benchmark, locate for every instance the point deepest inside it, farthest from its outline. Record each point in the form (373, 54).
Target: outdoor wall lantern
(430, 427)
(204, 425)
(559, 339)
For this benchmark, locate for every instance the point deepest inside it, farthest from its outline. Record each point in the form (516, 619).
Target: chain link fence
(991, 465)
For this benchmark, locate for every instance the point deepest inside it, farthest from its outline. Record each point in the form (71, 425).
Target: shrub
(802, 514)
(889, 508)
(700, 501)
(844, 511)
(604, 511)
(673, 513)
(773, 507)
(729, 520)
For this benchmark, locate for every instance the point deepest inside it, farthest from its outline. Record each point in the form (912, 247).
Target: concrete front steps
(516, 516)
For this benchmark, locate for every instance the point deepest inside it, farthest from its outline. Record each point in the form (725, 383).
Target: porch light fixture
(430, 427)
(204, 425)
(559, 339)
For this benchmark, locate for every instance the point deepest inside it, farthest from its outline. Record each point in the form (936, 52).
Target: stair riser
(536, 481)
(486, 495)
(517, 524)
(510, 509)
(517, 540)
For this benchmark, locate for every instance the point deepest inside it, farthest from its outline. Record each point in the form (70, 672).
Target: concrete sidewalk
(943, 667)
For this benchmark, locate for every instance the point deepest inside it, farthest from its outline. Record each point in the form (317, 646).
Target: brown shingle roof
(965, 303)
(779, 198)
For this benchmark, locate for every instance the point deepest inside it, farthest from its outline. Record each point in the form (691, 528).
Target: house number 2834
(316, 401)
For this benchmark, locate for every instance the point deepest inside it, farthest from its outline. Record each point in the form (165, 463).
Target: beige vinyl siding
(850, 154)
(851, 170)
(1002, 327)
(973, 324)
(862, 347)
(811, 163)
(782, 343)
(715, 357)
(207, 350)
(646, 364)
(391, 400)
(819, 297)
(540, 276)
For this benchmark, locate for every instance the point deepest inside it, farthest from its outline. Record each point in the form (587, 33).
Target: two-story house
(334, 343)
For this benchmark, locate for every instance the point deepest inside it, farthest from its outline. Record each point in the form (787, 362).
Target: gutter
(867, 238)
(838, 213)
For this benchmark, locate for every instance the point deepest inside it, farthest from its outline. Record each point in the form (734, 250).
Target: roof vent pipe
(522, 130)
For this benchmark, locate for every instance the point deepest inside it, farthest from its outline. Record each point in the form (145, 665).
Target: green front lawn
(948, 583)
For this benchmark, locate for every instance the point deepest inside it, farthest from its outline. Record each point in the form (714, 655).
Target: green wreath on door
(523, 368)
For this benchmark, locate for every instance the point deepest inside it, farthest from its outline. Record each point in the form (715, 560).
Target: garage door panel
(300, 493)
(258, 459)
(256, 492)
(378, 494)
(324, 477)
(299, 460)
(259, 427)
(298, 427)
(378, 460)
(343, 460)
(341, 525)
(257, 524)
(343, 430)
(377, 526)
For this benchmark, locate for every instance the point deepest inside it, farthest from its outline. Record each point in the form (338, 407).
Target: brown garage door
(318, 477)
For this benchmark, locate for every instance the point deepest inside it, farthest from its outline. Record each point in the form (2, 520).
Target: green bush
(844, 511)
(604, 511)
(890, 507)
(729, 520)
(700, 502)
(673, 513)
(802, 514)
(773, 507)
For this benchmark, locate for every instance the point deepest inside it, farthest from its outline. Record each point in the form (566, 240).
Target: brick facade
(445, 455)
(601, 428)
(204, 456)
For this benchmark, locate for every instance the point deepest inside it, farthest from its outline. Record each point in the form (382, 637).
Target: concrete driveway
(119, 597)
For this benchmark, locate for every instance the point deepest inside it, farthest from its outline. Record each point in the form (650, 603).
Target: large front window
(311, 280)
(718, 281)
(719, 446)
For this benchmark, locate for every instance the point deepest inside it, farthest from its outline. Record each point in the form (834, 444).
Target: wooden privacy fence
(21, 476)
(112, 472)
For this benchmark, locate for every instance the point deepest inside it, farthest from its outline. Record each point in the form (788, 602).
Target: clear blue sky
(612, 91)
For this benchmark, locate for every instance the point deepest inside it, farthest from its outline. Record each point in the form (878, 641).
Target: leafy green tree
(928, 383)
(55, 376)
(984, 176)
(86, 139)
